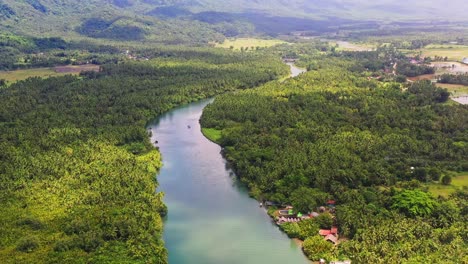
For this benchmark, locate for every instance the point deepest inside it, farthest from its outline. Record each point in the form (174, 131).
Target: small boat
(189, 127)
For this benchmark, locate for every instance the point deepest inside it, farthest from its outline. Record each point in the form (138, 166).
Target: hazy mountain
(138, 19)
(355, 9)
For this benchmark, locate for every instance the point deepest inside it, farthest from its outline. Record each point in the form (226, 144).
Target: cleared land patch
(349, 46)
(459, 182)
(212, 134)
(18, 75)
(249, 43)
(453, 52)
(455, 89)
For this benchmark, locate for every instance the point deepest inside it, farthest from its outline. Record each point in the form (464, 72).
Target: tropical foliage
(336, 133)
(77, 168)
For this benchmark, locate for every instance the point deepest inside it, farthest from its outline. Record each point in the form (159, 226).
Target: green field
(239, 43)
(455, 89)
(453, 52)
(458, 182)
(351, 46)
(212, 134)
(13, 76)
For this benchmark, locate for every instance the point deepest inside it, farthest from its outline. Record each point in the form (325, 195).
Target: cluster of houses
(130, 56)
(330, 235)
(287, 215)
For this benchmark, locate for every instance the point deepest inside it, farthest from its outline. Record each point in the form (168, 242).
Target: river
(211, 218)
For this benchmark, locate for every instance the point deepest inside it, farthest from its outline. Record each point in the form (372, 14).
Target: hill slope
(359, 9)
(181, 21)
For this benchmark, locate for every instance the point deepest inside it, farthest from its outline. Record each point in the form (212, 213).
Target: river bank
(211, 218)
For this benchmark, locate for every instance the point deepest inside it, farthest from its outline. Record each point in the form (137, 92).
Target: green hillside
(203, 21)
(360, 9)
(114, 20)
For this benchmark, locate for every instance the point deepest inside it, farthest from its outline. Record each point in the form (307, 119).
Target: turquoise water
(211, 218)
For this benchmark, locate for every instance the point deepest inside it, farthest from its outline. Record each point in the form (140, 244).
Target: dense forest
(78, 170)
(21, 52)
(334, 133)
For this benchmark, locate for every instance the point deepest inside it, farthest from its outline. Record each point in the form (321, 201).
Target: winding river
(211, 218)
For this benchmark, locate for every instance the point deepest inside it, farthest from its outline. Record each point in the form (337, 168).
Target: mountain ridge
(148, 19)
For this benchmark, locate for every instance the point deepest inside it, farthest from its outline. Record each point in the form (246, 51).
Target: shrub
(27, 244)
(317, 248)
(324, 220)
(291, 229)
(446, 180)
(31, 222)
(308, 227)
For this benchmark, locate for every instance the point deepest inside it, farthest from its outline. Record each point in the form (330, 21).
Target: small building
(324, 232)
(334, 230)
(314, 214)
(331, 238)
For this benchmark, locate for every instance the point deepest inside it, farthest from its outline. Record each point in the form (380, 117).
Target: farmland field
(18, 75)
(12, 76)
(239, 43)
(458, 182)
(455, 89)
(349, 46)
(453, 52)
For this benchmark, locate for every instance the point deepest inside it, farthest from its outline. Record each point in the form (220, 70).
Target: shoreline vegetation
(82, 145)
(212, 134)
(370, 142)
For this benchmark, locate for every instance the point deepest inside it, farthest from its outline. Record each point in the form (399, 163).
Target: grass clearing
(458, 182)
(239, 43)
(18, 75)
(351, 46)
(455, 89)
(212, 134)
(453, 52)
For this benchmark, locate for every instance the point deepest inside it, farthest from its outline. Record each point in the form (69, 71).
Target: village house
(330, 235)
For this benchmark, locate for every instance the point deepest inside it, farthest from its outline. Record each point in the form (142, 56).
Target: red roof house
(334, 230)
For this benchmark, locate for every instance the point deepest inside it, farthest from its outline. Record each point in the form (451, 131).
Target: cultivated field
(349, 46)
(458, 182)
(12, 76)
(18, 75)
(455, 89)
(453, 52)
(250, 43)
(450, 67)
